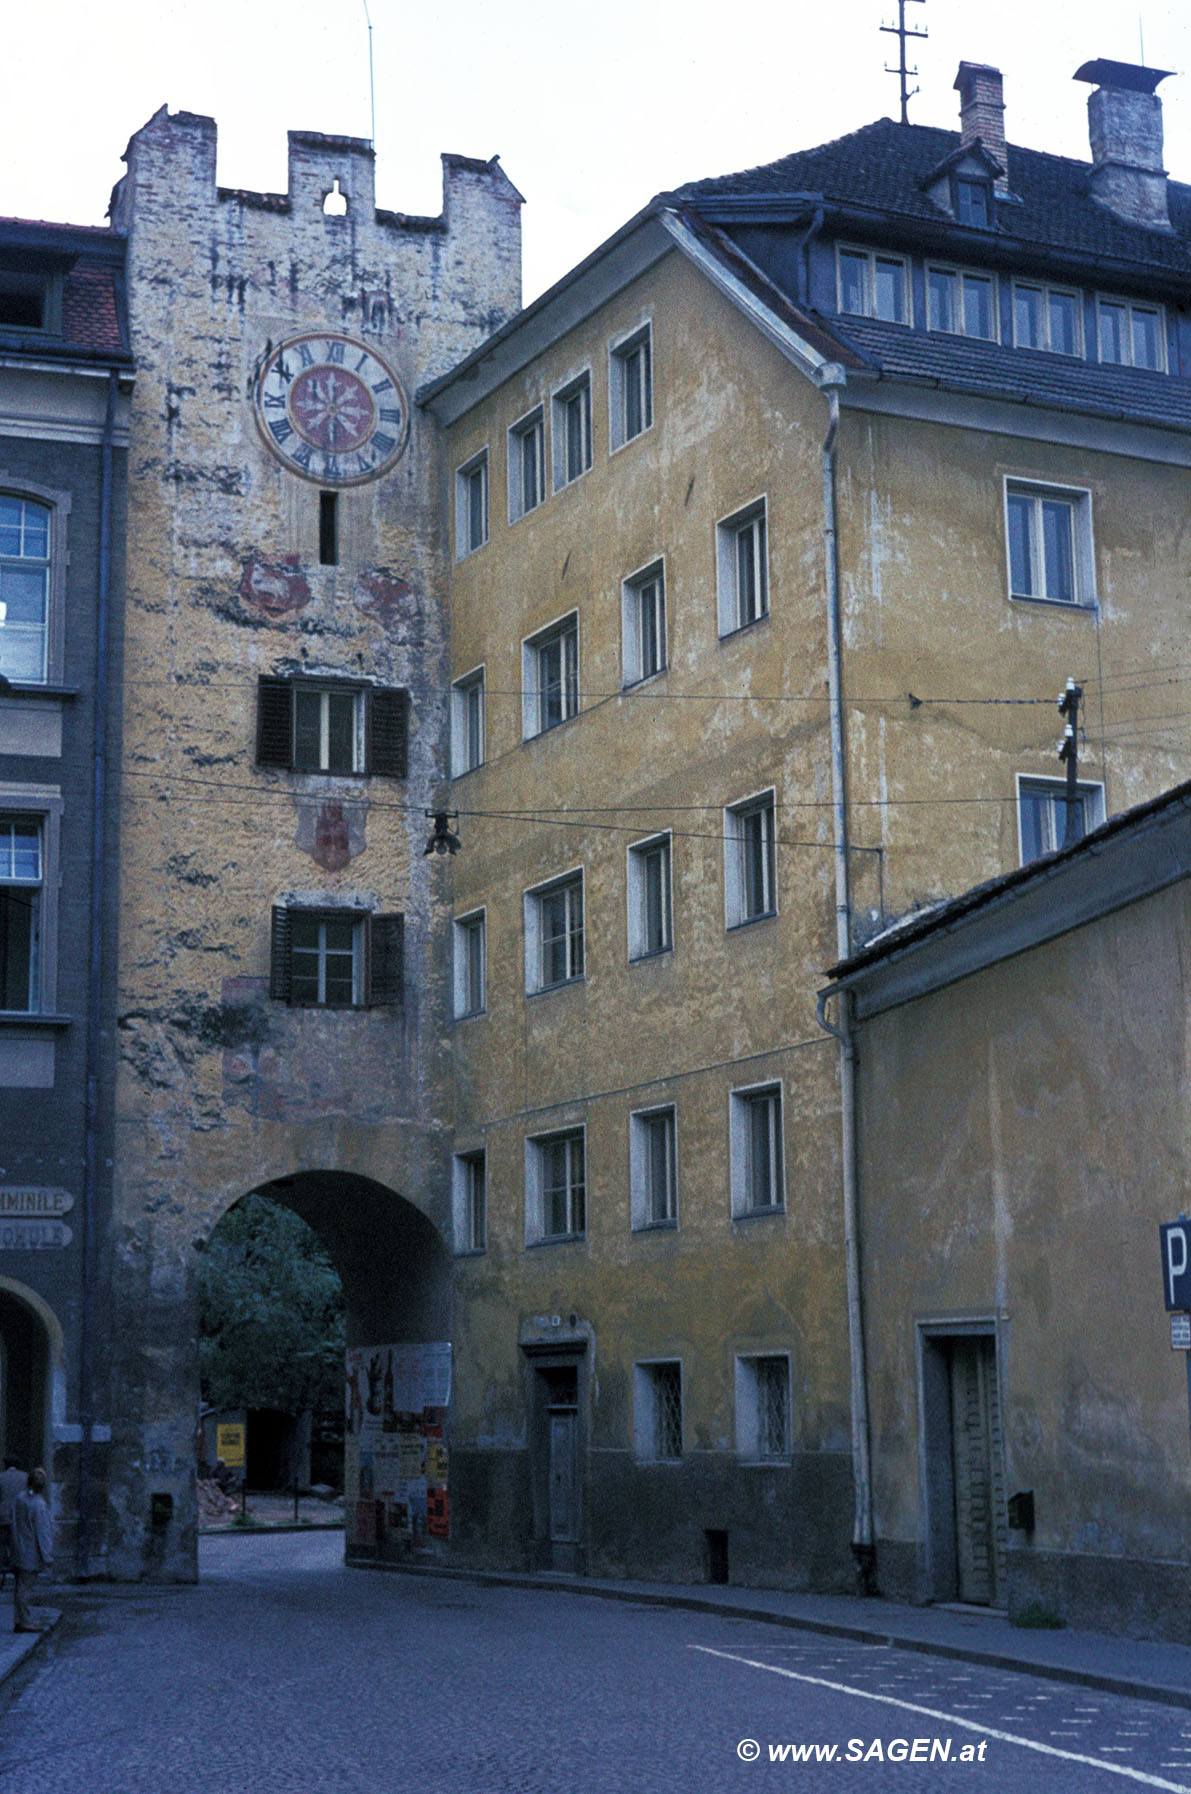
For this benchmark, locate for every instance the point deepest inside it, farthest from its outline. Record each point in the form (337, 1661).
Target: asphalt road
(284, 1670)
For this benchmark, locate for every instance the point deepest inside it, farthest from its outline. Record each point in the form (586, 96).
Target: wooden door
(976, 1458)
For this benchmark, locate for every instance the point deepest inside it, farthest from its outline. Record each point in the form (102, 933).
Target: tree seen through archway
(271, 1319)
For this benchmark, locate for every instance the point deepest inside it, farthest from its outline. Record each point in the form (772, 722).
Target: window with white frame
(1047, 318)
(653, 1167)
(25, 644)
(571, 431)
(470, 1201)
(973, 201)
(527, 464)
(336, 958)
(763, 1407)
(758, 1175)
(742, 572)
(643, 623)
(467, 723)
(470, 934)
(471, 506)
(332, 726)
(961, 302)
(1131, 335)
(554, 933)
(556, 1186)
(657, 1410)
(750, 860)
(22, 887)
(874, 285)
(630, 384)
(1049, 531)
(651, 928)
(550, 677)
(1042, 809)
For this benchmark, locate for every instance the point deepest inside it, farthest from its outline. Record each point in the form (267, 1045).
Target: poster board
(395, 1447)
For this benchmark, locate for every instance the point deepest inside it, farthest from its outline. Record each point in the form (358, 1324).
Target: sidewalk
(16, 1646)
(1138, 1668)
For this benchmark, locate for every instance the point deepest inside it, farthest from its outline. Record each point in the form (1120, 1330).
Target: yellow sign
(229, 1445)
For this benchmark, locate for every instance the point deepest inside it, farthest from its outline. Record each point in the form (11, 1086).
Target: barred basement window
(336, 958)
(334, 726)
(657, 1411)
(763, 1407)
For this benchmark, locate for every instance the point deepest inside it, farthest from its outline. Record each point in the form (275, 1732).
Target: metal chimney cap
(1131, 76)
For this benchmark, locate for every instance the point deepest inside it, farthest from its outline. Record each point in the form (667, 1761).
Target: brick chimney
(982, 113)
(1125, 129)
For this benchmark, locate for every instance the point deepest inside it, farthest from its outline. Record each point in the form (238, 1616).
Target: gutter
(831, 379)
(95, 982)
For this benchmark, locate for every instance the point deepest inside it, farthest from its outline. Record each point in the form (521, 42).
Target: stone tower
(281, 1010)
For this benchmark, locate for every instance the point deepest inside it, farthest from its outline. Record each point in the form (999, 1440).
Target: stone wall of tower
(223, 1088)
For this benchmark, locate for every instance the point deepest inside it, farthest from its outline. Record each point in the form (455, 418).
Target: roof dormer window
(29, 299)
(973, 202)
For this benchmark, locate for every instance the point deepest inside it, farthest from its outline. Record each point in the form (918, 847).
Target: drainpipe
(95, 970)
(831, 379)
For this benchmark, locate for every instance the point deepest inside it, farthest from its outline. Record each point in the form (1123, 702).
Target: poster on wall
(396, 1455)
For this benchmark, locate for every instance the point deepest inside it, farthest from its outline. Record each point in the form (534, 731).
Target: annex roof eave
(1040, 419)
(1128, 858)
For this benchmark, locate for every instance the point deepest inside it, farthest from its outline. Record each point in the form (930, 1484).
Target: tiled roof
(885, 166)
(90, 260)
(90, 312)
(1030, 375)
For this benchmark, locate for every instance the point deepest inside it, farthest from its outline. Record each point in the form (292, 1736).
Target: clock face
(331, 410)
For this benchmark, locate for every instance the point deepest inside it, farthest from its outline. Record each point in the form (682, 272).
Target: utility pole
(902, 31)
(1069, 699)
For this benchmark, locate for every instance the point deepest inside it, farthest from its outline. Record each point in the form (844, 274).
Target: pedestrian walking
(13, 1482)
(32, 1548)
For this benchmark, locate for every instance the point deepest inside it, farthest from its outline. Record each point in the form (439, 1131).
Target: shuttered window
(308, 725)
(336, 958)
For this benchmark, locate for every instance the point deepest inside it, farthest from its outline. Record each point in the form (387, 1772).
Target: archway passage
(394, 1272)
(26, 1370)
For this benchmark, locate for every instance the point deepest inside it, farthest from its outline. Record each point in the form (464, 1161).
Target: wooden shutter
(279, 958)
(274, 722)
(386, 959)
(388, 732)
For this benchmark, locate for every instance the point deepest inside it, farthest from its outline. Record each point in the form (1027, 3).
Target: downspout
(831, 379)
(95, 980)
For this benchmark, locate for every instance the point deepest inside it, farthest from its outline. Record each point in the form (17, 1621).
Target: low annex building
(1029, 1417)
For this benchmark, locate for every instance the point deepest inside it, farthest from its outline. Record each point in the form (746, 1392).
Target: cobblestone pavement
(286, 1671)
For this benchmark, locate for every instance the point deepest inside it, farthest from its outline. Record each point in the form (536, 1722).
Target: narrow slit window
(328, 529)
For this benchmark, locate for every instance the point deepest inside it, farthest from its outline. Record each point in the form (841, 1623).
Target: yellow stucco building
(778, 527)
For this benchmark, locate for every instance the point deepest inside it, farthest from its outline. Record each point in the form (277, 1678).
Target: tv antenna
(372, 84)
(902, 31)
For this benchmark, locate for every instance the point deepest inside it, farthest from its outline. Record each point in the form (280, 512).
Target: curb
(18, 1648)
(1128, 1687)
(257, 1528)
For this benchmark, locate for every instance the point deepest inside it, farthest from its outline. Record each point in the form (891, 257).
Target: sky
(591, 109)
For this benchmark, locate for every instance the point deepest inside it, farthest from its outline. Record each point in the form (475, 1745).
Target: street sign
(229, 1445)
(1175, 1237)
(1180, 1332)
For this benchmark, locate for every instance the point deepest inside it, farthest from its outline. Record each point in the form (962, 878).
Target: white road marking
(889, 1700)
